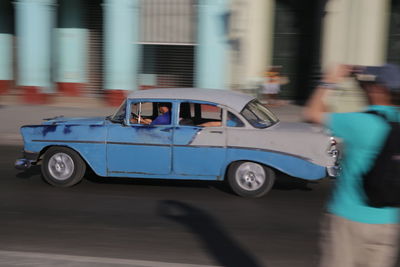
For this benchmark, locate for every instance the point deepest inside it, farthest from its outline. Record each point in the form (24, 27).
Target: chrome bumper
(29, 159)
(334, 152)
(333, 171)
(23, 164)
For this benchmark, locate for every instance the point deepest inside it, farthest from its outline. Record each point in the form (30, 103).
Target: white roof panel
(235, 100)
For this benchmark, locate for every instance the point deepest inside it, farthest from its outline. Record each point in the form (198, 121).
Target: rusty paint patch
(48, 129)
(67, 129)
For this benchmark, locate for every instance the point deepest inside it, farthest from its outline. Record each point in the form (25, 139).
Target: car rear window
(258, 115)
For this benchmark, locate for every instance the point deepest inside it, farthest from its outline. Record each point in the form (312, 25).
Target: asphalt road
(126, 222)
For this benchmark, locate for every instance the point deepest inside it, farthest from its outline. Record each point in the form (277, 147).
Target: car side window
(151, 113)
(199, 114)
(186, 113)
(233, 121)
(119, 115)
(140, 111)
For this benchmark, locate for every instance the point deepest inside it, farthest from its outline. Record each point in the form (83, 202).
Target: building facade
(109, 47)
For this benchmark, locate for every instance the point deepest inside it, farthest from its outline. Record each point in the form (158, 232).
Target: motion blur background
(102, 49)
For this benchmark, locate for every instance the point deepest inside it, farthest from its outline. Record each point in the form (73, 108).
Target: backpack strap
(377, 114)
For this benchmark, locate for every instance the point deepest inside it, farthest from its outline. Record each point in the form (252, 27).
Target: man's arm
(140, 120)
(315, 109)
(162, 119)
(211, 124)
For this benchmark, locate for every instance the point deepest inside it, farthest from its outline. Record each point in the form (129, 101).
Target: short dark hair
(165, 104)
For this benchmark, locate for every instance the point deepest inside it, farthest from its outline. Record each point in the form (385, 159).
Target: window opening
(200, 114)
(233, 121)
(151, 113)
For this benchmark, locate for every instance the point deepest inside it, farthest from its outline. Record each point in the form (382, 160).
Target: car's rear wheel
(250, 179)
(62, 167)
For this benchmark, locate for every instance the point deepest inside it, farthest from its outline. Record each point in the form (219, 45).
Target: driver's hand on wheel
(140, 120)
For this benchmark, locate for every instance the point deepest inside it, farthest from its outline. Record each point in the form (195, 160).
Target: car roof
(234, 100)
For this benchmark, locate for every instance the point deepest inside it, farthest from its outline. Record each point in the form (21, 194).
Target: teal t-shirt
(363, 136)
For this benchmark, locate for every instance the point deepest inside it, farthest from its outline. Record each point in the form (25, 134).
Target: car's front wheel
(62, 167)
(250, 179)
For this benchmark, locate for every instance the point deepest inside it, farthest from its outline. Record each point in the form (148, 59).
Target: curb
(58, 101)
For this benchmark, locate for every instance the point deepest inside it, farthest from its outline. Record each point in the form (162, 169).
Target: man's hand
(336, 74)
(145, 121)
(140, 120)
(315, 109)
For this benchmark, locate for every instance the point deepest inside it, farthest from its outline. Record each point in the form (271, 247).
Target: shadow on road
(286, 182)
(32, 171)
(225, 250)
(218, 185)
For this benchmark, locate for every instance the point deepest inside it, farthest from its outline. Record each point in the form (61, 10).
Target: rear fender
(289, 164)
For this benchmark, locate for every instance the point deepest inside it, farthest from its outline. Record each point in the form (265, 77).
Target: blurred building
(108, 47)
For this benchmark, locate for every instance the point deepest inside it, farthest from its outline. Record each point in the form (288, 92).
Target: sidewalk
(14, 114)
(35, 259)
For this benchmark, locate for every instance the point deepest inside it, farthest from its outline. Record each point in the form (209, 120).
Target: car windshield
(119, 115)
(258, 115)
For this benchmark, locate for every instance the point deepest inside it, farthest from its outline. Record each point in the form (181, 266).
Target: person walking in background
(354, 233)
(272, 86)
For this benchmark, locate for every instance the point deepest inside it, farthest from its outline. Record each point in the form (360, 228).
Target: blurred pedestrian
(272, 85)
(354, 233)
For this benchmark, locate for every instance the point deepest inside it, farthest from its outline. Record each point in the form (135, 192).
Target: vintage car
(203, 135)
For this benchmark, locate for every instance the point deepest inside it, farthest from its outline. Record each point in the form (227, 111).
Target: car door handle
(167, 129)
(218, 132)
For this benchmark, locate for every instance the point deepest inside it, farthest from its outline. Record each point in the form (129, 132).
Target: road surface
(128, 222)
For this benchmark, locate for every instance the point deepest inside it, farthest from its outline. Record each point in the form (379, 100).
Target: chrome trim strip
(69, 141)
(191, 146)
(136, 144)
(269, 150)
(199, 146)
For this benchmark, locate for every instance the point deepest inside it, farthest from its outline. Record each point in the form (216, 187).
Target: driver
(164, 118)
(165, 114)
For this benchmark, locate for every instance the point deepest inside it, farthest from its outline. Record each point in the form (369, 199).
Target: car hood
(75, 121)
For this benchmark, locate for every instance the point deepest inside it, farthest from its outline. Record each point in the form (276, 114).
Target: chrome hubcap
(250, 176)
(61, 166)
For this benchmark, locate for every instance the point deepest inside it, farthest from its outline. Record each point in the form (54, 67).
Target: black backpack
(382, 182)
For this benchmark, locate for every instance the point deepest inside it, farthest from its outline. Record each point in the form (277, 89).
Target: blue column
(6, 51)
(34, 25)
(211, 53)
(6, 46)
(121, 31)
(71, 41)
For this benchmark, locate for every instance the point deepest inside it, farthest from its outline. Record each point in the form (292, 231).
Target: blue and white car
(211, 135)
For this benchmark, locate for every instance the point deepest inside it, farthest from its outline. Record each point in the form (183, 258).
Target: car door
(199, 150)
(135, 149)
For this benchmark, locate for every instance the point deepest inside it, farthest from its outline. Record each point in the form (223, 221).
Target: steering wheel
(134, 115)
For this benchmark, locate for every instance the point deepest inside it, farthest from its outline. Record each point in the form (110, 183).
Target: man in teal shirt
(355, 234)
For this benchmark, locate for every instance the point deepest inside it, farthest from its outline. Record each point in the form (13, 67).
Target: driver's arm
(140, 120)
(145, 121)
